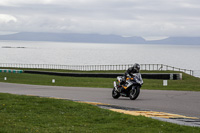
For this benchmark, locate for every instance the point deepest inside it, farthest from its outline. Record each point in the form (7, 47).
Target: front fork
(115, 85)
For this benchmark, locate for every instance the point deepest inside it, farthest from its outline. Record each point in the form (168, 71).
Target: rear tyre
(134, 93)
(115, 94)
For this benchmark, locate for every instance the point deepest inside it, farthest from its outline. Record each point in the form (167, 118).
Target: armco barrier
(10, 71)
(171, 76)
(166, 76)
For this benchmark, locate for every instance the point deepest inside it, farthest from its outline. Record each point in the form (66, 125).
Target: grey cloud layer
(127, 17)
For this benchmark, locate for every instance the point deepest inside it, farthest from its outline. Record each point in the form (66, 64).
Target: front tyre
(115, 94)
(134, 92)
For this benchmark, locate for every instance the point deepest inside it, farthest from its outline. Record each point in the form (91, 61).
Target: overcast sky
(146, 18)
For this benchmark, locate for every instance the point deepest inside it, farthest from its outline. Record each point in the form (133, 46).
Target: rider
(131, 70)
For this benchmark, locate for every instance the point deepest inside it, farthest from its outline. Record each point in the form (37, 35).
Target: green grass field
(35, 114)
(189, 83)
(28, 114)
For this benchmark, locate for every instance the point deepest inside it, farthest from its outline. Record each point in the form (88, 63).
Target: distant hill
(64, 37)
(95, 38)
(177, 40)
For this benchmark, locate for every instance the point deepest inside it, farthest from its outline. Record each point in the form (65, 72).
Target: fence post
(96, 67)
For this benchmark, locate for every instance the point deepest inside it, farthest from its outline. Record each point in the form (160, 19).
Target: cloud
(6, 18)
(126, 18)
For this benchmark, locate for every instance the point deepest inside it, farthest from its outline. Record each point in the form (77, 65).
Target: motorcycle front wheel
(115, 94)
(134, 93)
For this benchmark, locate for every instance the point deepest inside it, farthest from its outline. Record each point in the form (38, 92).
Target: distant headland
(96, 38)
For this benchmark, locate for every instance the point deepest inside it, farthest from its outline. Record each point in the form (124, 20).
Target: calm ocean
(25, 52)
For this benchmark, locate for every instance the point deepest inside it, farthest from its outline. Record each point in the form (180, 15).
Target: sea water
(66, 53)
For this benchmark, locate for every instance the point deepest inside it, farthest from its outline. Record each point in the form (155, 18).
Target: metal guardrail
(160, 67)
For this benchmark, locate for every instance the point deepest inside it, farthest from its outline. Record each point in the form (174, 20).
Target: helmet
(136, 67)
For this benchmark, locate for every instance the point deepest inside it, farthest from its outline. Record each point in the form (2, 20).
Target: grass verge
(189, 83)
(35, 114)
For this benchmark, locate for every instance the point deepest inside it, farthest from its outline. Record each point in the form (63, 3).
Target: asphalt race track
(185, 103)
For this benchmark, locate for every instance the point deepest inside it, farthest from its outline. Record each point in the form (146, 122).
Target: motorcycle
(129, 87)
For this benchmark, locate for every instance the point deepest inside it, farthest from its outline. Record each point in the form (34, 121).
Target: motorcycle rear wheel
(134, 93)
(115, 94)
